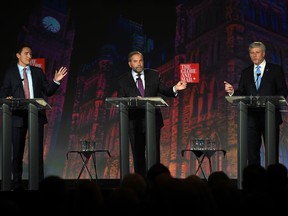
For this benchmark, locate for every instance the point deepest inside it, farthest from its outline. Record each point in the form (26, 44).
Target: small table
(200, 156)
(85, 157)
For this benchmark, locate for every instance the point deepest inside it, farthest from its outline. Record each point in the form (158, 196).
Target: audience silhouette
(263, 190)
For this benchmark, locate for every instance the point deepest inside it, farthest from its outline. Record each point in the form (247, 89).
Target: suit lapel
(17, 87)
(33, 79)
(147, 83)
(264, 77)
(133, 90)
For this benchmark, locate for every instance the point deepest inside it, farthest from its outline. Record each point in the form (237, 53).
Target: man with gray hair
(261, 78)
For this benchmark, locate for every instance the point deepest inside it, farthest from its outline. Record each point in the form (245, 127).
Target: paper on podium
(157, 100)
(41, 102)
(137, 101)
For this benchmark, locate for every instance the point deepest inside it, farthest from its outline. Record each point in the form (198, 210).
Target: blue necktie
(258, 76)
(140, 85)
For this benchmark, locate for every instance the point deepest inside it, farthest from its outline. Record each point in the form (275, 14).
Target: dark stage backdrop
(93, 41)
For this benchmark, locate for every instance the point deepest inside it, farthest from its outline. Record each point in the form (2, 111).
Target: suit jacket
(273, 83)
(153, 88)
(12, 86)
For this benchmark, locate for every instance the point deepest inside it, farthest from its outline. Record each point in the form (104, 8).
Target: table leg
(200, 166)
(94, 164)
(85, 162)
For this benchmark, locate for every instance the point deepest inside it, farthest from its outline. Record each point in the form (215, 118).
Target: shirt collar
(262, 66)
(21, 68)
(135, 74)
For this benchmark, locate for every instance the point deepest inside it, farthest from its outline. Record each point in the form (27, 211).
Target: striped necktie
(26, 84)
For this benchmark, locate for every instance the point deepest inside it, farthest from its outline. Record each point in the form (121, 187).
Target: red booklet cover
(38, 62)
(189, 72)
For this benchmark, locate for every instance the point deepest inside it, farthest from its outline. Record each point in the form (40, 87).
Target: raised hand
(62, 72)
(228, 87)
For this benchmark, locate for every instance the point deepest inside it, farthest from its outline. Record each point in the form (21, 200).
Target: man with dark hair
(25, 81)
(143, 83)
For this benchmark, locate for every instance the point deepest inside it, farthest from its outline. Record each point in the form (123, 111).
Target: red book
(38, 62)
(189, 72)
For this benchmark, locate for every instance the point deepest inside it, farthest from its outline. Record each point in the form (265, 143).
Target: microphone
(138, 78)
(150, 69)
(18, 86)
(258, 75)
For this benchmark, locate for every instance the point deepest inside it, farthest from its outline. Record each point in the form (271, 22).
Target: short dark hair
(20, 47)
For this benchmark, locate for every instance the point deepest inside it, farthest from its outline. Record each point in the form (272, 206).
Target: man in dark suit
(128, 87)
(37, 87)
(272, 83)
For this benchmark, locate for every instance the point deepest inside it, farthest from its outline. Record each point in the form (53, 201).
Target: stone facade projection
(216, 34)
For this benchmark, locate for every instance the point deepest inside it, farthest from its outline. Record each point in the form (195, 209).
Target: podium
(270, 103)
(147, 103)
(32, 106)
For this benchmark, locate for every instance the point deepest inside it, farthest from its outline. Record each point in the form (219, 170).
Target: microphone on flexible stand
(258, 75)
(150, 69)
(18, 86)
(257, 86)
